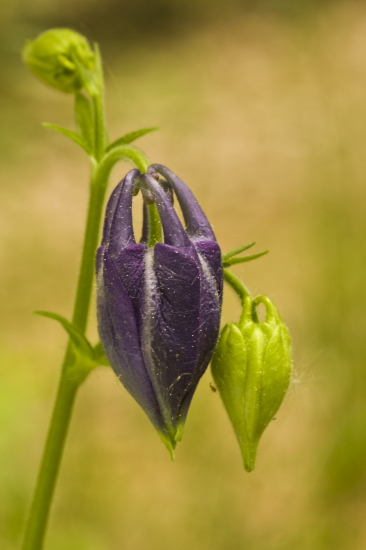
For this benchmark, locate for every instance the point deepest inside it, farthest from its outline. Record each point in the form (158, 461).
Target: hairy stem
(37, 522)
(52, 454)
(101, 167)
(86, 275)
(100, 137)
(236, 284)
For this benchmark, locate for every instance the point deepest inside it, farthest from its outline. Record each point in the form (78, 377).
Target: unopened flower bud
(251, 368)
(159, 308)
(60, 57)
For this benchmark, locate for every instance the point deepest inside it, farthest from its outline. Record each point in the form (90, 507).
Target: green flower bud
(62, 58)
(251, 368)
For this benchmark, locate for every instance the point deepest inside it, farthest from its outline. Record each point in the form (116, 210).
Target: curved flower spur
(159, 308)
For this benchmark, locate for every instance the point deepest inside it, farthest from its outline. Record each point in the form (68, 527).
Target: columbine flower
(251, 368)
(159, 308)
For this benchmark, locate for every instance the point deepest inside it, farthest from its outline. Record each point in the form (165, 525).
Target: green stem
(39, 512)
(52, 454)
(245, 297)
(86, 275)
(40, 507)
(37, 522)
(102, 164)
(100, 137)
(236, 284)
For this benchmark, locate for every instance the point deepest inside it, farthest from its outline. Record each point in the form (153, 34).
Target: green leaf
(237, 251)
(78, 339)
(68, 133)
(129, 138)
(84, 119)
(100, 356)
(232, 261)
(87, 356)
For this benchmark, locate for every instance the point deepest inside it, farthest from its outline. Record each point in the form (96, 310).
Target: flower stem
(86, 275)
(99, 125)
(38, 517)
(236, 284)
(39, 512)
(102, 163)
(40, 507)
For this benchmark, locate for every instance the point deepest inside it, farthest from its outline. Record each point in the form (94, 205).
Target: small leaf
(77, 337)
(100, 356)
(68, 133)
(237, 250)
(84, 119)
(129, 138)
(233, 261)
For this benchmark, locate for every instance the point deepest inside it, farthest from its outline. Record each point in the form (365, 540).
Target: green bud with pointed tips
(252, 368)
(62, 58)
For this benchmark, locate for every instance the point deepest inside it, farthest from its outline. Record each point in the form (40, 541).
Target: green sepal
(232, 261)
(100, 356)
(84, 119)
(276, 374)
(168, 444)
(86, 358)
(229, 370)
(132, 136)
(72, 135)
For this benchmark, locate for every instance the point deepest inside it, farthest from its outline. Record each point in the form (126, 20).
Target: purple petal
(174, 233)
(119, 228)
(109, 213)
(121, 342)
(170, 331)
(130, 266)
(210, 312)
(211, 252)
(198, 226)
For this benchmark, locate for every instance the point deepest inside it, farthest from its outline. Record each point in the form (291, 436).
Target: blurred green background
(262, 106)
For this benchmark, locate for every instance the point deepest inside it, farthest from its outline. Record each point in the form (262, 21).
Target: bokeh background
(262, 106)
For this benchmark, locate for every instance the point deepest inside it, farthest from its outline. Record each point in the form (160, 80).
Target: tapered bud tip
(60, 58)
(249, 454)
(169, 444)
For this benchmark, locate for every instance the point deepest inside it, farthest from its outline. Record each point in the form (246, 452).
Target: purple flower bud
(159, 308)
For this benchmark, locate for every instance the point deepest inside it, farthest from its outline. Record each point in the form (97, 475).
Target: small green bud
(251, 367)
(62, 58)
